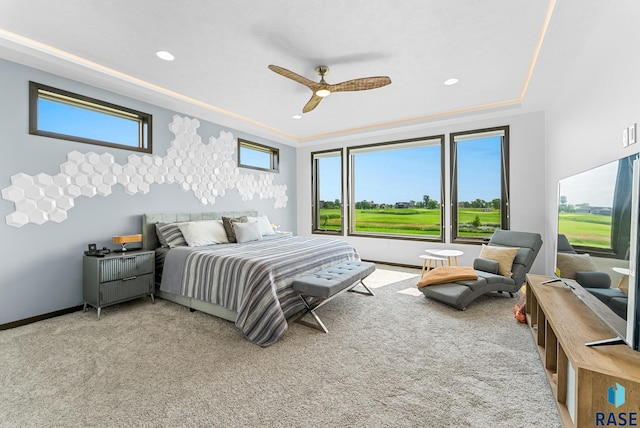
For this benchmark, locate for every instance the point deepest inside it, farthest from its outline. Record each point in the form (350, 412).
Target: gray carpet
(393, 360)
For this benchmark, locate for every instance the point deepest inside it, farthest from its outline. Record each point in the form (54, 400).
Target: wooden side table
(448, 254)
(427, 259)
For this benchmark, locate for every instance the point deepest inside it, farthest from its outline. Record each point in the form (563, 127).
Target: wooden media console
(593, 386)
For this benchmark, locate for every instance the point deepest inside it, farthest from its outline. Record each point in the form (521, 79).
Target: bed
(247, 283)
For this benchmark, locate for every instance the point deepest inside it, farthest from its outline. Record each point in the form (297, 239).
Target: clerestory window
(258, 156)
(64, 115)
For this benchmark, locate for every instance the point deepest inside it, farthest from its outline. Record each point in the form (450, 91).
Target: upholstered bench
(320, 287)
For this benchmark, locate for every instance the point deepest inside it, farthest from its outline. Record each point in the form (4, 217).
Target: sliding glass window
(479, 183)
(64, 115)
(396, 189)
(327, 192)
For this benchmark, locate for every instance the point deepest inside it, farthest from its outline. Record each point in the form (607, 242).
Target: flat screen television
(597, 246)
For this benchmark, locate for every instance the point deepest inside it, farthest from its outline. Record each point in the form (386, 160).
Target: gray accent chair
(597, 283)
(460, 294)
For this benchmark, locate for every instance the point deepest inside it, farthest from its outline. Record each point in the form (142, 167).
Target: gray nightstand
(117, 277)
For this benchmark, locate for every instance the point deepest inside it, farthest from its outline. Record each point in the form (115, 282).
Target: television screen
(597, 241)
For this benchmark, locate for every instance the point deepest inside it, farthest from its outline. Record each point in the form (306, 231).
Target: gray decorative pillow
(486, 265)
(169, 235)
(246, 232)
(228, 222)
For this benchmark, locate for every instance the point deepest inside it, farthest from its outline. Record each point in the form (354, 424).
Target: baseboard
(30, 320)
(393, 264)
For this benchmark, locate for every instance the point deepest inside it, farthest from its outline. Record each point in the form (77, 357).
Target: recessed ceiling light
(296, 116)
(167, 56)
(451, 81)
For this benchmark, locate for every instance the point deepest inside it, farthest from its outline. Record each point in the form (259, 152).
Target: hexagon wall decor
(205, 170)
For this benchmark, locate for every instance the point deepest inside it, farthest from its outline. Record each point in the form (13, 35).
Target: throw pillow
(264, 223)
(169, 235)
(246, 232)
(503, 255)
(204, 232)
(490, 266)
(228, 226)
(569, 264)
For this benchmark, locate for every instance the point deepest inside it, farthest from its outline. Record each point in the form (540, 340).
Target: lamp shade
(125, 239)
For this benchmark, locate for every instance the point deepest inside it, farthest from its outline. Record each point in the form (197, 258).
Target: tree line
(426, 202)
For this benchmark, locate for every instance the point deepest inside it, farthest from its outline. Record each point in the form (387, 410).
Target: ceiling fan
(323, 89)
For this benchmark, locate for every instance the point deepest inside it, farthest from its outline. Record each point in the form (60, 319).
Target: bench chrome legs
(312, 304)
(310, 309)
(367, 291)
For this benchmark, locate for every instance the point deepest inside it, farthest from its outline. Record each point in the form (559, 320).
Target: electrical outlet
(625, 137)
(632, 134)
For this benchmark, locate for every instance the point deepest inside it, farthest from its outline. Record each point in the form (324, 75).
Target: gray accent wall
(41, 268)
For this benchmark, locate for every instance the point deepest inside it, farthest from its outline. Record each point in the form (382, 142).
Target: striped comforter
(254, 278)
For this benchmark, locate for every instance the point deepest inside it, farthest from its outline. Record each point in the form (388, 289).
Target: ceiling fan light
(323, 93)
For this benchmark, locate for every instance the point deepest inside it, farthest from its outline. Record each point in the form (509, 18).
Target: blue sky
(54, 117)
(594, 187)
(404, 175)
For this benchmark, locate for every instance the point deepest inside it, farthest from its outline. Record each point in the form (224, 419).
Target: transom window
(479, 183)
(257, 156)
(64, 115)
(396, 189)
(327, 191)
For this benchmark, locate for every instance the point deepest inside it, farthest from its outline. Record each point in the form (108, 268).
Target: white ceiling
(223, 48)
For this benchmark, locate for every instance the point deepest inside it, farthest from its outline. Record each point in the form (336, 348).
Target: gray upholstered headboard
(149, 237)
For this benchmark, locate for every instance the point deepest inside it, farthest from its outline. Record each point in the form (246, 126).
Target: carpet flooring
(393, 360)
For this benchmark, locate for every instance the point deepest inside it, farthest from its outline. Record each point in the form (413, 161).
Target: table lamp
(125, 239)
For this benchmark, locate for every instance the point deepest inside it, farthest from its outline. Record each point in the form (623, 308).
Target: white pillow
(264, 225)
(204, 232)
(246, 232)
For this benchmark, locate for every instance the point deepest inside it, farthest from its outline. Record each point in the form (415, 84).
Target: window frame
(274, 155)
(504, 182)
(81, 101)
(350, 191)
(315, 208)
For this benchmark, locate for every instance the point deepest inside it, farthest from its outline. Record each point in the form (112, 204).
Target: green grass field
(412, 221)
(589, 230)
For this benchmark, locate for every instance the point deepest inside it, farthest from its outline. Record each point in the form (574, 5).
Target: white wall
(598, 98)
(527, 186)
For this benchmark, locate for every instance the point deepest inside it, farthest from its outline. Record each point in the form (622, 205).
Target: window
(257, 156)
(396, 189)
(479, 183)
(327, 191)
(60, 114)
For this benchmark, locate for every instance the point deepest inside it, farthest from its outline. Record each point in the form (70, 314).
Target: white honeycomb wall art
(208, 171)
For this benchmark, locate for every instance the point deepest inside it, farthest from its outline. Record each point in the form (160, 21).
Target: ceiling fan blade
(361, 84)
(312, 103)
(293, 76)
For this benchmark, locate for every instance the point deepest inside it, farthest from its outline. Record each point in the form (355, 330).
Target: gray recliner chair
(460, 294)
(597, 283)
